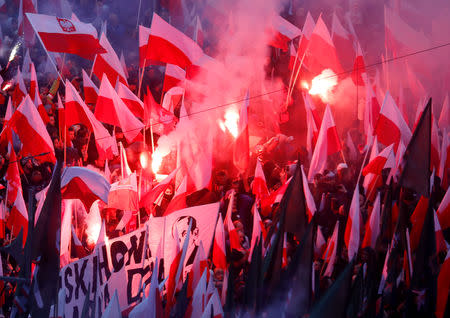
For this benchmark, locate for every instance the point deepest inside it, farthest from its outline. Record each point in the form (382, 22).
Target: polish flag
(444, 118)
(312, 122)
(292, 55)
(149, 198)
(78, 113)
(124, 64)
(371, 180)
(441, 245)
(174, 76)
(259, 185)
(235, 243)
(443, 211)
(328, 143)
(23, 23)
(274, 197)
(178, 201)
(124, 167)
(371, 112)
(352, 229)
(310, 204)
(66, 36)
(443, 286)
(284, 259)
(417, 218)
(20, 90)
(342, 40)
(373, 225)
(40, 107)
(308, 29)
(320, 244)
(18, 217)
(322, 53)
(282, 32)
(2, 229)
(359, 75)
(199, 300)
(435, 146)
(329, 256)
(241, 151)
(219, 258)
(33, 82)
(123, 194)
(90, 89)
(385, 159)
(167, 44)
(12, 177)
(84, 184)
(444, 163)
(214, 307)
(110, 109)
(258, 231)
(28, 125)
(108, 63)
(9, 111)
(134, 104)
(391, 126)
(198, 268)
(144, 34)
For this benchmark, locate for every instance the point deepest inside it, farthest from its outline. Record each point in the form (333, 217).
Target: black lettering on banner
(106, 297)
(135, 250)
(94, 274)
(75, 313)
(104, 265)
(130, 276)
(79, 275)
(118, 248)
(69, 287)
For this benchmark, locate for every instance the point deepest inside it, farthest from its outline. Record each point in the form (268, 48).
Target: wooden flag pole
(141, 77)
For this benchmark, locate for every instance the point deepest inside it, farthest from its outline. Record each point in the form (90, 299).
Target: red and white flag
(312, 122)
(443, 286)
(229, 226)
(258, 231)
(134, 104)
(359, 75)
(371, 112)
(9, 111)
(391, 126)
(12, 177)
(110, 109)
(90, 90)
(144, 33)
(373, 225)
(329, 256)
(66, 36)
(444, 163)
(321, 53)
(169, 45)
(443, 211)
(328, 143)
(441, 244)
(444, 118)
(370, 180)
(18, 217)
(308, 29)
(20, 90)
(123, 194)
(385, 159)
(174, 76)
(124, 167)
(219, 257)
(151, 197)
(259, 185)
(124, 64)
(282, 32)
(241, 151)
(352, 229)
(40, 107)
(28, 125)
(178, 201)
(342, 40)
(84, 184)
(199, 299)
(24, 27)
(33, 82)
(108, 63)
(214, 307)
(310, 204)
(78, 113)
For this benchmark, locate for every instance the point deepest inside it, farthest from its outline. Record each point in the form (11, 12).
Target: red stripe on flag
(83, 45)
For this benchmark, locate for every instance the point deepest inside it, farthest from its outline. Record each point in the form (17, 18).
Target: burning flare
(143, 159)
(323, 84)
(231, 122)
(157, 158)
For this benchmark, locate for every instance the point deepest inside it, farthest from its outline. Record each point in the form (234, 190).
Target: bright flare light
(304, 85)
(157, 158)
(323, 84)
(231, 122)
(93, 231)
(143, 159)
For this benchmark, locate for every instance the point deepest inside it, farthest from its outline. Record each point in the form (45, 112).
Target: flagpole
(139, 13)
(295, 64)
(92, 68)
(141, 77)
(65, 142)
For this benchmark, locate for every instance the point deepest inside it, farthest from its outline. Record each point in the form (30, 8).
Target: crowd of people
(279, 155)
